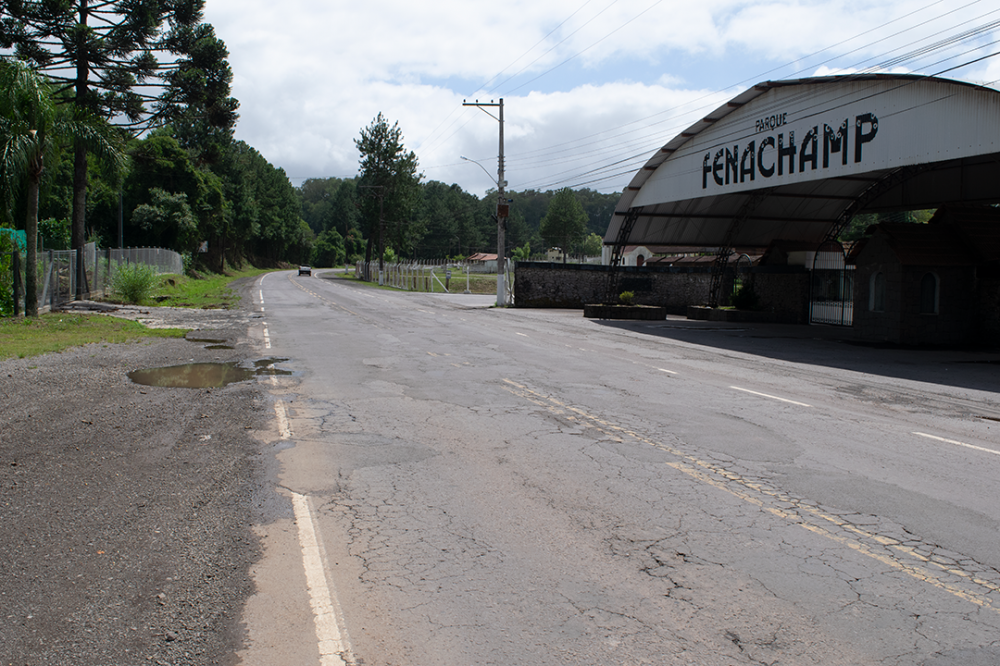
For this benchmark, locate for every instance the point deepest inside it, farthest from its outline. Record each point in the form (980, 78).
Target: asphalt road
(466, 485)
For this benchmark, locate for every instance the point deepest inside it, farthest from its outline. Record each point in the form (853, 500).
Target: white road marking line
(267, 338)
(772, 397)
(284, 430)
(669, 372)
(521, 334)
(957, 443)
(334, 645)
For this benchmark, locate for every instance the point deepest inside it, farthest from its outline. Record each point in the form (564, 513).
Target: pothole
(206, 375)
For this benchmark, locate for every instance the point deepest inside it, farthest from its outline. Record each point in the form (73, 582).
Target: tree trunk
(31, 231)
(79, 232)
(79, 228)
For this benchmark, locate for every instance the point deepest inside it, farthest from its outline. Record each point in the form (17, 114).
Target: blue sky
(591, 88)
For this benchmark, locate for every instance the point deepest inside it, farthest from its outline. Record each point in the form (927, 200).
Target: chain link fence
(57, 272)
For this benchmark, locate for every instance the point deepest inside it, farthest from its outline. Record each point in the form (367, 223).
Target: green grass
(209, 291)
(21, 338)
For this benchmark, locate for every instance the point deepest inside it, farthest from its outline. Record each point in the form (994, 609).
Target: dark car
(305, 270)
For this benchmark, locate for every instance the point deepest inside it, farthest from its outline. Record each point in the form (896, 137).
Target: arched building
(793, 161)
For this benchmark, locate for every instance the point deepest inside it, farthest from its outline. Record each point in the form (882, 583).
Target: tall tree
(565, 223)
(389, 186)
(106, 54)
(30, 127)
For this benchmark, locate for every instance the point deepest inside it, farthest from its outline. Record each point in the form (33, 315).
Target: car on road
(305, 270)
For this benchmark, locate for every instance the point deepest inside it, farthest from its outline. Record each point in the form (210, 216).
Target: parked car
(305, 270)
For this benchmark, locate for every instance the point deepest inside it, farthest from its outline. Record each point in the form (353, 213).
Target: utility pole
(503, 205)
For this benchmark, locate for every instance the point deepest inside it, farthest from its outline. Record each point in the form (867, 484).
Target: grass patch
(21, 338)
(211, 290)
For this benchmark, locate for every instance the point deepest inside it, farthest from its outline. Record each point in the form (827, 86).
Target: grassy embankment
(21, 338)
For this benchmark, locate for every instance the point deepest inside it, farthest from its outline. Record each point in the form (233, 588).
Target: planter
(705, 313)
(643, 312)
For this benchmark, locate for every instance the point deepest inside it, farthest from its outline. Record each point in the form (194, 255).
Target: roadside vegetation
(208, 290)
(49, 333)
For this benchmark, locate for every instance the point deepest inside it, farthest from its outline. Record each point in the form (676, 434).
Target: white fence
(425, 275)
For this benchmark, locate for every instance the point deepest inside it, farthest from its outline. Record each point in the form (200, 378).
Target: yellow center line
(757, 495)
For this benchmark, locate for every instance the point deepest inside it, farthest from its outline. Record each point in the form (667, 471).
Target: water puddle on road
(206, 375)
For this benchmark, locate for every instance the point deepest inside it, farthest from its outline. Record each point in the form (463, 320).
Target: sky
(590, 88)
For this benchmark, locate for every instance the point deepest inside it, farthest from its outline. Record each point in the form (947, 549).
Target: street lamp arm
(481, 167)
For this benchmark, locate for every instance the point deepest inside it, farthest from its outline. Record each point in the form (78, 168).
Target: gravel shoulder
(127, 511)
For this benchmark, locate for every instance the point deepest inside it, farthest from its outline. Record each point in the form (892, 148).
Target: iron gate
(832, 298)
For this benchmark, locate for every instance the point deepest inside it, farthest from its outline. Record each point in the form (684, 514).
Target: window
(929, 293)
(876, 292)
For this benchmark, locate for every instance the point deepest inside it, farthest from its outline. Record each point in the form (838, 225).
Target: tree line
(117, 126)
(448, 222)
(389, 207)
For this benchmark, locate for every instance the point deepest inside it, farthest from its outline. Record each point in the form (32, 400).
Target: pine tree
(565, 223)
(389, 186)
(140, 63)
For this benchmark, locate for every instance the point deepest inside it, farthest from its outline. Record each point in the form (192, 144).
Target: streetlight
(501, 215)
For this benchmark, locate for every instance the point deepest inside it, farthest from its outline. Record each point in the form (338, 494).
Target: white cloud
(309, 75)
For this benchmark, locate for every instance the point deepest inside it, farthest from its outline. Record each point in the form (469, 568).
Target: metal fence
(425, 275)
(412, 275)
(57, 270)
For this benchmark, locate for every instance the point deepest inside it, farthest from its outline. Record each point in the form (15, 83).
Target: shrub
(745, 298)
(6, 277)
(133, 283)
(627, 297)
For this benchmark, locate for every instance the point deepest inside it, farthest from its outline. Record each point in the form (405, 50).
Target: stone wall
(544, 285)
(782, 291)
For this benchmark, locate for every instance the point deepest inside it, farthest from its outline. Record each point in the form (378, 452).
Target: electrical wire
(982, 29)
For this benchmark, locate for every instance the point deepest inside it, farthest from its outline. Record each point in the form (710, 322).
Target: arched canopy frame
(803, 156)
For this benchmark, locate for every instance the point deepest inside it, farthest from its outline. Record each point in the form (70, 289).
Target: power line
(940, 44)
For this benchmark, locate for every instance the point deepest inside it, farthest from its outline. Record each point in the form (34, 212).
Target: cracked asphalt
(440, 482)
(510, 486)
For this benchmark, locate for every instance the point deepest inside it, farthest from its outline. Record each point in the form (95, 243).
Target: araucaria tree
(565, 223)
(389, 188)
(139, 63)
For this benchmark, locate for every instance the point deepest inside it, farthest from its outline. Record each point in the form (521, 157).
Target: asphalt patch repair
(127, 511)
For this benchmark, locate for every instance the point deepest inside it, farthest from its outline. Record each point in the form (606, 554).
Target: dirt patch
(128, 510)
